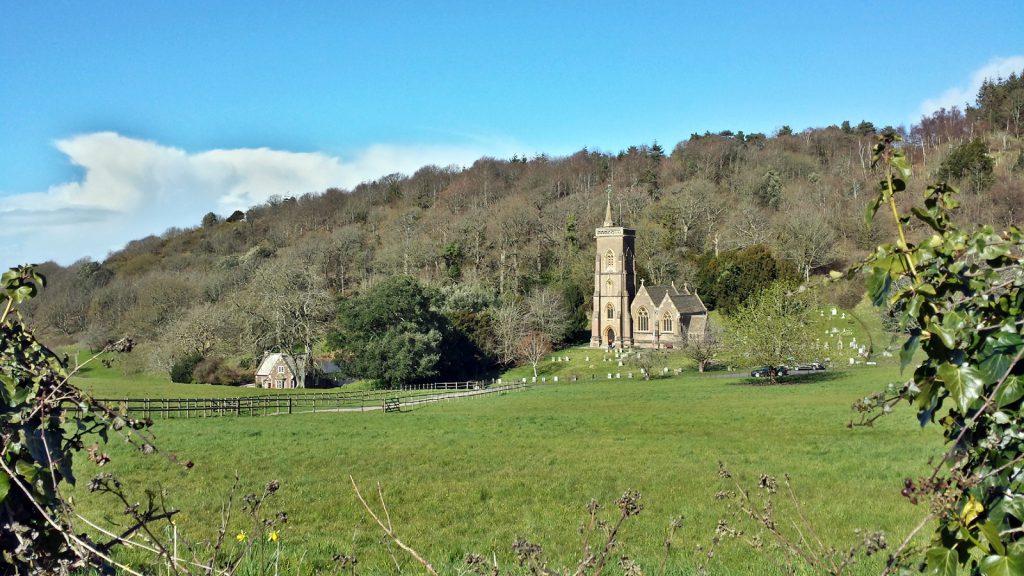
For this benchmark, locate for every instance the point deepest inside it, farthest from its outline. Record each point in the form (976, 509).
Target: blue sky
(121, 119)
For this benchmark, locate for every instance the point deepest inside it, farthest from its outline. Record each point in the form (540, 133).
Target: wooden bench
(392, 405)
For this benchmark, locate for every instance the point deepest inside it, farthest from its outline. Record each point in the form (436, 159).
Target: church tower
(614, 284)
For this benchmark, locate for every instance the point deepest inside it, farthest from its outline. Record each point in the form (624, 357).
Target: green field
(113, 383)
(474, 475)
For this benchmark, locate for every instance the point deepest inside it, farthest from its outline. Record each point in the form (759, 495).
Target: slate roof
(657, 293)
(688, 304)
(685, 302)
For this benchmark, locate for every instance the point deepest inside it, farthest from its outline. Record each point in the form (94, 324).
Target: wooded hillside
(724, 213)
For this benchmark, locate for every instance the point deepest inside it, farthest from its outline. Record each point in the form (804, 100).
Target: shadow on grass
(793, 379)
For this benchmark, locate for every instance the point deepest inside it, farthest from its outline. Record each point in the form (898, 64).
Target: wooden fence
(277, 404)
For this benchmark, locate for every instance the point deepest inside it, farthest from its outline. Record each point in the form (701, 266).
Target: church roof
(685, 302)
(688, 304)
(657, 293)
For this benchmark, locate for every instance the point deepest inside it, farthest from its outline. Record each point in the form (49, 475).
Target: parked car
(763, 372)
(811, 366)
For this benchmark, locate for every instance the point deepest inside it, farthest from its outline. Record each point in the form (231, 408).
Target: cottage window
(610, 312)
(609, 260)
(666, 323)
(280, 369)
(280, 383)
(642, 318)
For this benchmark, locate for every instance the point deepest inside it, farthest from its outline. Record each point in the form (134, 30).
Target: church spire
(608, 210)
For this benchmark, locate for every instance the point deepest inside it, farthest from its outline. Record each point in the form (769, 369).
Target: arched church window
(666, 323)
(642, 318)
(610, 311)
(609, 260)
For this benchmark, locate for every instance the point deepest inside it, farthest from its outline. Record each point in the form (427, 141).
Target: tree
(646, 360)
(210, 220)
(284, 307)
(533, 347)
(508, 325)
(703, 351)
(772, 327)
(769, 191)
(390, 334)
(806, 240)
(546, 313)
(969, 163)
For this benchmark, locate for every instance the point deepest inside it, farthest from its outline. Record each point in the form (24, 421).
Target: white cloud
(960, 96)
(131, 188)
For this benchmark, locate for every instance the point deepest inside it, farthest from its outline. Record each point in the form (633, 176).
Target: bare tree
(284, 307)
(547, 313)
(533, 347)
(703, 351)
(508, 324)
(807, 241)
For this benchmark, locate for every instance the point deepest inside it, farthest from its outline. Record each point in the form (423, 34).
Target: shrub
(215, 371)
(181, 371)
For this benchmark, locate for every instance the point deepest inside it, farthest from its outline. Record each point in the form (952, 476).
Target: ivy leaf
(948, 339)
(927, 218)
(879, 283)
(869, 212)
(5, 486)
(901, 164)
(996, 354)
(927, 402)
(1011, 391)
(991, 533)
(909, 348)
(1014, 506)
(942, 561)
(1003, 565)
(963, 382)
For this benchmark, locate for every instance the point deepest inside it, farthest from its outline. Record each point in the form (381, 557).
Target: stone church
(624, 317)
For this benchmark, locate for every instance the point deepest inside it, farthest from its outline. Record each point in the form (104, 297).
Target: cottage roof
(271, 360)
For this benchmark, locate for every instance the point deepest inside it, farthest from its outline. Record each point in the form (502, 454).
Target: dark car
(764, 371)
(811, 366)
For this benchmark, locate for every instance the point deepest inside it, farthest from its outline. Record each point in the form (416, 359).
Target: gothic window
(610, 312)
(642, 318)
(609, 260)
(609, 284)
(666, 323)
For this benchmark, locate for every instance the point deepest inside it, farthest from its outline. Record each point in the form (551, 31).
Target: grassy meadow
(474, 475)
(111, 382)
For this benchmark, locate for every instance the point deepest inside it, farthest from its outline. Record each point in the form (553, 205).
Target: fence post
(238, 407)
(289, 404)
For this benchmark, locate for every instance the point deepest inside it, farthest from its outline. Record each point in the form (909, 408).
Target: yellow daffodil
(241, 536)
(272, 536)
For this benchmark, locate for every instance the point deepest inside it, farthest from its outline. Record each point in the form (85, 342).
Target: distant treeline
(722, 213)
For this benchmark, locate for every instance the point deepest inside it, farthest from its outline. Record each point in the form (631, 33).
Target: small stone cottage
(277, 370)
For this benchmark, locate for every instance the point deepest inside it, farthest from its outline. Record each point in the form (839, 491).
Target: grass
(114, 383)
(474, 475)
